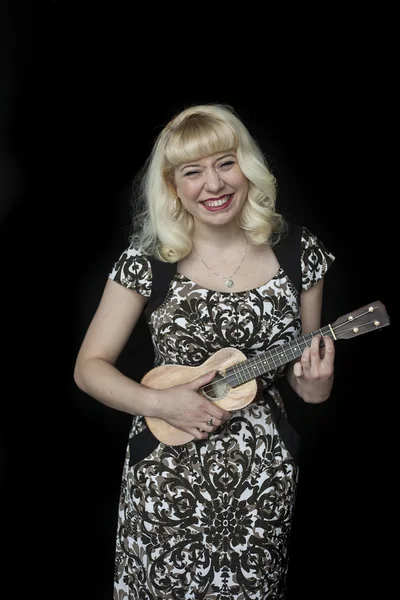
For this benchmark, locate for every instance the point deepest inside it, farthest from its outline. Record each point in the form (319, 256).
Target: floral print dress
(210, 520)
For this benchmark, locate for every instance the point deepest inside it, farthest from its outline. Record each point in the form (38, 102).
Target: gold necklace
(229, 281)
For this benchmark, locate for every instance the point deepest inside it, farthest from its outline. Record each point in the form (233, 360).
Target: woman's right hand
(182, 407)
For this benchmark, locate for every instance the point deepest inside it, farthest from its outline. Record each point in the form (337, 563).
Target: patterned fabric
(210, 520)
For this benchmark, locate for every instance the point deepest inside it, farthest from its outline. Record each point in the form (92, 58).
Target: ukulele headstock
(367, 318)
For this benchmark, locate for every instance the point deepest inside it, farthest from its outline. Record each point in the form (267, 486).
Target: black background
(84, 93)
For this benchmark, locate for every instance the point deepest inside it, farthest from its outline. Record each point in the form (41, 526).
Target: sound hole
(216, 389)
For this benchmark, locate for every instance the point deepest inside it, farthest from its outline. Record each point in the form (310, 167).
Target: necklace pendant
(229, 283)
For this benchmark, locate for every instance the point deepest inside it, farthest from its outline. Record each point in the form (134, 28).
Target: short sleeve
(133, 270)
(315, 259)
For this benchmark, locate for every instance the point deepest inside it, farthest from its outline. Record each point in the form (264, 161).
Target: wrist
(316, 394)
(315, 398)
(150, 401)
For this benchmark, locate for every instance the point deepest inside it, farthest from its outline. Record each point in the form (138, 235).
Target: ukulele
(235, 383)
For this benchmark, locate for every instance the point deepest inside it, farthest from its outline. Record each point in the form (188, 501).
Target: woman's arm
(311, 377)
(95, 373)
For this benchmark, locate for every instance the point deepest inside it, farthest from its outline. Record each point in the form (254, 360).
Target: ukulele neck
(272, 359)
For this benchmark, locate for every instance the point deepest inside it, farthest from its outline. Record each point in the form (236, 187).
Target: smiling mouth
(218, 203)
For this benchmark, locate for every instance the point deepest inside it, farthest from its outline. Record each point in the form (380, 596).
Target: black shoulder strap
(288, 253)
(162, 273)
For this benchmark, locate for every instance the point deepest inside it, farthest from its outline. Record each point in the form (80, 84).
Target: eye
(188, 173)
(227, 164)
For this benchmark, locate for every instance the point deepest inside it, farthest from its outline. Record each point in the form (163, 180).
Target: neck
(217, 237)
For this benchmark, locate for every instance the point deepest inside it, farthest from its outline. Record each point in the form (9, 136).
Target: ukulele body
(166, 376)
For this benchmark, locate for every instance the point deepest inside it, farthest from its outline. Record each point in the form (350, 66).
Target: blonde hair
(165, 232)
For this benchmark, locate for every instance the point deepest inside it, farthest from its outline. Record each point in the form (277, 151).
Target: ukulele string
(259, 361)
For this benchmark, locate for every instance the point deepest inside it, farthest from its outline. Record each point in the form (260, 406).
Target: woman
(211, 517)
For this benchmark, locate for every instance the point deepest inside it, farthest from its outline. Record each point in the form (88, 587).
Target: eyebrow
(197, 165)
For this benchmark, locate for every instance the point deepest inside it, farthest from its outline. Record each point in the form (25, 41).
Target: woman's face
(213, 188)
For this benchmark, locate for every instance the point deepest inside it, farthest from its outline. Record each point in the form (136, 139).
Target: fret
(265, 362)
(300, 350)
(248, 374)
(245, 371)
(272, 358)
(237, 374)
(285, 355)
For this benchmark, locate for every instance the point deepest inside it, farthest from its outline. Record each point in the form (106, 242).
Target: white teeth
(219, 202)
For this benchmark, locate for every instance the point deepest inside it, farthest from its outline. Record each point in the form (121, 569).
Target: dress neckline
(181, 276)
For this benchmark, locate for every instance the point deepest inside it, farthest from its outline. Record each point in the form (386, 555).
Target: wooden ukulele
(235, 385)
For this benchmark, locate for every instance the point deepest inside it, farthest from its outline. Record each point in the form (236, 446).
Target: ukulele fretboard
(272, 359)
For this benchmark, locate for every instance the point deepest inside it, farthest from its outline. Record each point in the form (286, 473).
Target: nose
(213, 182)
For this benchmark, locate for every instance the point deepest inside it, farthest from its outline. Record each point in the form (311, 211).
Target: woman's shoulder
(133, 269)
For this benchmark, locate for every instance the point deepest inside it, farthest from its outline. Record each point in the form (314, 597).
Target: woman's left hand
(314, 372)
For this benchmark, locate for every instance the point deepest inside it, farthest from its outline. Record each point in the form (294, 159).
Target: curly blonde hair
(162, 231)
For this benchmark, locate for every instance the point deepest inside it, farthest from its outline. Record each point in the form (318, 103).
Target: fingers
(210, 426)
(306, 359)
(211, 423)
(313, 353)
(329, 349)
(214, 422)
(218, 414)
(315, 370)
(298, 369)
(201, 381)
(199, 434)
(303, 366)
(316, 360)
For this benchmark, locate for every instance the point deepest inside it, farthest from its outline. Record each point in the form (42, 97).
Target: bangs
(197, 136)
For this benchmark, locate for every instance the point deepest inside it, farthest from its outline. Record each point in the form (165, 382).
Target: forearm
(104, 382)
